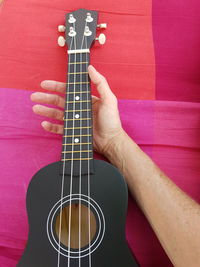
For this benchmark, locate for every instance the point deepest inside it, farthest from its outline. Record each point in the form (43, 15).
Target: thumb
(102, 86)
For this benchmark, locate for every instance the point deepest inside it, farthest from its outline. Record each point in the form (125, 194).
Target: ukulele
(77, 206)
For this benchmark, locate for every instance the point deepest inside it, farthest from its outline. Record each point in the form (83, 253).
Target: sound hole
(77, 225)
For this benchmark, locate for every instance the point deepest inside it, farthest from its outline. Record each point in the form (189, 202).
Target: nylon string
(80, 162)
(89, 226)
(71, 179)
(63, 171)
(80, 178)
(64, 163)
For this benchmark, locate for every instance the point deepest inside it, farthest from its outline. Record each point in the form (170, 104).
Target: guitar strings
(63, 171)
(71, 179)
(80, 178)
(89, 226)
(80, 181)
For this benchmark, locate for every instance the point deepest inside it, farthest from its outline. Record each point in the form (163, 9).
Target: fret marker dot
(77, 116)
(77, 97)
(76, 140)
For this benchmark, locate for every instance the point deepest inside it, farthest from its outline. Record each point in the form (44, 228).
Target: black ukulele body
(108, 203)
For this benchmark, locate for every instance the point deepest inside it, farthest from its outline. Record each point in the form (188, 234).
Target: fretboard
(77, 136)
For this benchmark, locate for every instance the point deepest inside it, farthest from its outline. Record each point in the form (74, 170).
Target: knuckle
(50, 127)
(56, 100)
(58, 129)
(103, 79)
(61, 129)
(53, 128)
(56, 87)
(56, 114)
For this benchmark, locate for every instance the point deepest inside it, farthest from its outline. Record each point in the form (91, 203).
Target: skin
(174, 216)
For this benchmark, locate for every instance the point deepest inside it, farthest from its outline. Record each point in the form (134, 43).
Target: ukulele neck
(77, 149)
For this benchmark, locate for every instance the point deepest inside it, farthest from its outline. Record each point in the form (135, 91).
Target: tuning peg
(61, 41)
(101, 39)
(61, 28)
(102, 26)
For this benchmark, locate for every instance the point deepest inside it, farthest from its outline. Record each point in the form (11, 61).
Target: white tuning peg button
(61, 28)
(101, 39)
(61, 41)
(102, 25)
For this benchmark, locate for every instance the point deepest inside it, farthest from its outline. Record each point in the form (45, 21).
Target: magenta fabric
(159, 127)
(176, 26)
(157, 59)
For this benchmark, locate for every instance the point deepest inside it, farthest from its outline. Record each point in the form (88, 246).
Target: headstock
(80, 30)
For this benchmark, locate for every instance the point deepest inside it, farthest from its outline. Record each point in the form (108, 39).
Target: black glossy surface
(108, 189)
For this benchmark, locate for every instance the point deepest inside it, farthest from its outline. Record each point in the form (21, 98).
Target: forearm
(174, 216)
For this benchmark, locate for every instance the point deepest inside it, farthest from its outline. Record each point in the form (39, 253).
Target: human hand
(106, 121)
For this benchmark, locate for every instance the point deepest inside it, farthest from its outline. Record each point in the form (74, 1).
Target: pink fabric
(167, 131)
(176, 27)
(152, 52)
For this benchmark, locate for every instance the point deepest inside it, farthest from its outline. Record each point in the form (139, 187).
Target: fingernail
(44, 123)
(34, 108)
(42, 83)
(32, 96)
(46, 83)
(91, 67)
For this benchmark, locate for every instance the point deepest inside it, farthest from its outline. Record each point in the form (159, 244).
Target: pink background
(151, 60)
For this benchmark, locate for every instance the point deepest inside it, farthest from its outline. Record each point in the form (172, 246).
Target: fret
(74, 151)
(76, 159)
(78, 132)
(77, 148)
(69, 144)
(85, 136)
(77, 116)
(81, 123)
(71, 128)
(77, 135)
(79, 101)
(78, 72)
(77, 110)
(77, 139)
(78, 92)
(78, 83)
(79, 105)
(70, 63)
(77, 119)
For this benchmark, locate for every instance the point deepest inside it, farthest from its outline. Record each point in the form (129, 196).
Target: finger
(54, 86)
(48, 99)
(48, 112)
(51, 127)
(101, 83)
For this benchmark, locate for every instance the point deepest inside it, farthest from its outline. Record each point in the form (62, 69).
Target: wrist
(116, 148)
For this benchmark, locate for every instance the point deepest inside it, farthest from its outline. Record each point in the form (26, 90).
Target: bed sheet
(151, 60)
